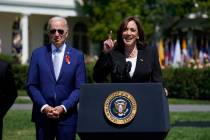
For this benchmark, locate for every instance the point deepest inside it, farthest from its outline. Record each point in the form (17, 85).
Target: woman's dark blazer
(114, 63)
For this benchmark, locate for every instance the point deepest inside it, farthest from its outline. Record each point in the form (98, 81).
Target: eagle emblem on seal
(120, 107)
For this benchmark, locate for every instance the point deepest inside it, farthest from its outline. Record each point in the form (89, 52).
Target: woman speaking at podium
(128, 59)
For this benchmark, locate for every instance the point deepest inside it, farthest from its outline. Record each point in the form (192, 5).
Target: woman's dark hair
(123, 26)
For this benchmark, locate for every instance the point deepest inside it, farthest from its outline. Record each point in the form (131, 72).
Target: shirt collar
(62, 48)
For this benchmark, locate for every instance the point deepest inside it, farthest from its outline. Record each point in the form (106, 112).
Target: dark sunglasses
(60, 31)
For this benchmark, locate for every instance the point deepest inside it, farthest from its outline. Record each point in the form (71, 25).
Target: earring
(137, 37)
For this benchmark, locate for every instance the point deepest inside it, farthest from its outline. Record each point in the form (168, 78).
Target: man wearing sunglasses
(55, 75)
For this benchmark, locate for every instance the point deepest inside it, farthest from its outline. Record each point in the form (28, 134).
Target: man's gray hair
(58, 18)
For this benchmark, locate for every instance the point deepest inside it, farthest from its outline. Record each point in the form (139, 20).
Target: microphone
(128, 66)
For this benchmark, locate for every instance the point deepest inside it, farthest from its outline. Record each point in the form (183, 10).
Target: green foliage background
(106, 15)
(183, 82)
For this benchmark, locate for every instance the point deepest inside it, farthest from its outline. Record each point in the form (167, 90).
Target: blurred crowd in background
(184, 53)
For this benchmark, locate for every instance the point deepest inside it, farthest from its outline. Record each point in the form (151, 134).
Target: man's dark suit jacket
(114, 63)
(8, 92)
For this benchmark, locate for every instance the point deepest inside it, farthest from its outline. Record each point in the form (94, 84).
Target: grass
(189, 116)
(21, 100)
(188, 133)
(22, 93)
(17, 125)
(187, 101)
(192, 131)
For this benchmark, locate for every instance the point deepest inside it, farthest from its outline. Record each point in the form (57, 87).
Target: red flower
(67, 58)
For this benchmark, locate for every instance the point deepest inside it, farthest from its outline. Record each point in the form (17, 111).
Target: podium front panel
(152, 108)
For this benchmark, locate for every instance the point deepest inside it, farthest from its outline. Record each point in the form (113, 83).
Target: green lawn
(187, 101)
(19, 127)
(20, 100)
(191, 132)
(22, 93)
(170, 100)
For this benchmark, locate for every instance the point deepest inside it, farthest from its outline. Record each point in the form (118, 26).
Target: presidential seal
(120, 107)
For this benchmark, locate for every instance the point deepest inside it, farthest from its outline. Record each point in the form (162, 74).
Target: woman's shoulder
(150, 50)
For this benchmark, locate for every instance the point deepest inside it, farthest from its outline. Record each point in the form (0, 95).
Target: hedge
(188, 83)
(181, 82)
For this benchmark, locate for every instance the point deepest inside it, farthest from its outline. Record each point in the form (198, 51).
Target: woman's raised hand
(108, 44)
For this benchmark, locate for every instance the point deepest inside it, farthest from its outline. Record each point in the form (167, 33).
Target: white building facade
(33, 16)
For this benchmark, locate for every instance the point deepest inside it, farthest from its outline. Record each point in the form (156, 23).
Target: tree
(106, 15)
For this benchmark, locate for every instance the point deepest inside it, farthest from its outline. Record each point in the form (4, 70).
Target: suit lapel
(64, 64)
(49, 60)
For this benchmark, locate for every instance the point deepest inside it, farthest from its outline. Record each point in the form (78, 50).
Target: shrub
(187, 83)
(20, 74)
(181, 82)
(7, 58)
